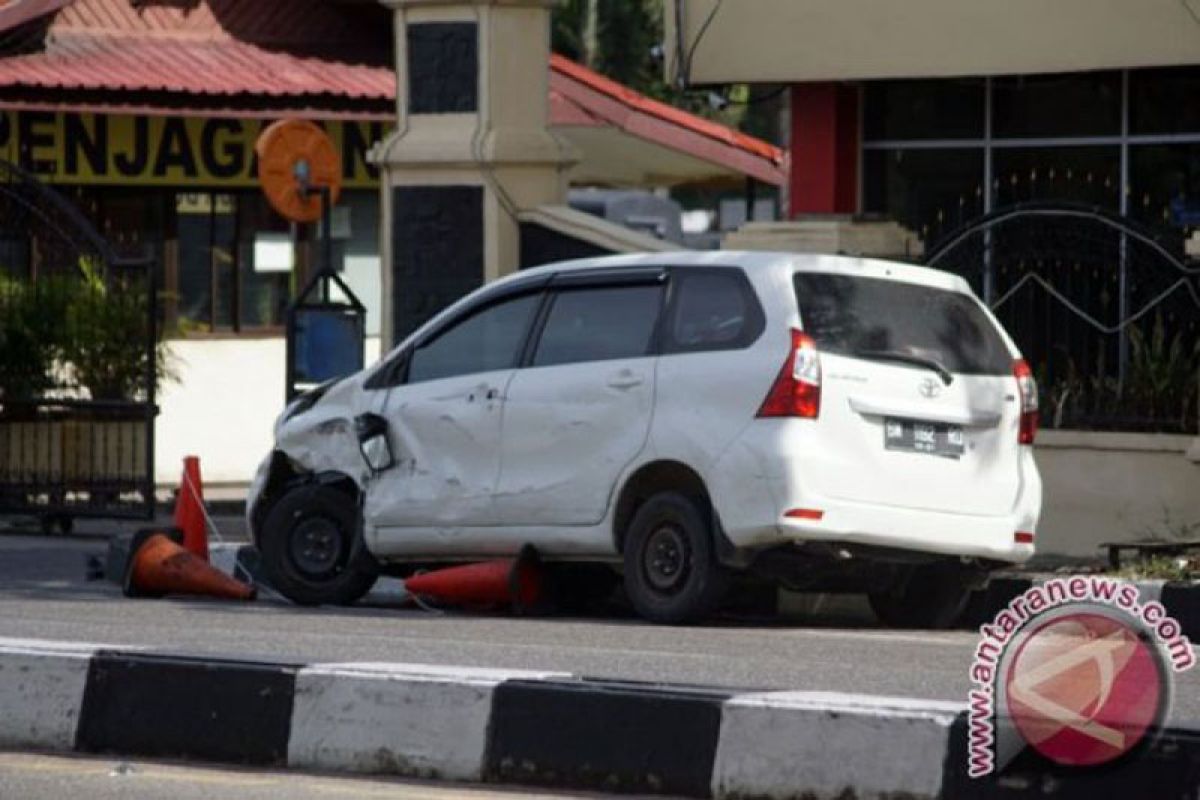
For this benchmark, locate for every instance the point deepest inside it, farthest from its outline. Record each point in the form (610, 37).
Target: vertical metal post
(322, 275)
(326, 267)
(289, 379)
(989, 267)
(151, 384)
(1123, 205)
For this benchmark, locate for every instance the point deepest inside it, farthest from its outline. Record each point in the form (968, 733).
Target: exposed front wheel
(671, 573)
(931, 596)
(311, 548)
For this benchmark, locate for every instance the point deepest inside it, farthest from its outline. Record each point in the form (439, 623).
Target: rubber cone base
(159, 566)
(510, 581)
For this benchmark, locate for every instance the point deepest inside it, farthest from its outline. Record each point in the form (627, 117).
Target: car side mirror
(374, 442)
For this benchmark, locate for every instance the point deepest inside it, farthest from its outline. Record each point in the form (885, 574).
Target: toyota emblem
(929, 388)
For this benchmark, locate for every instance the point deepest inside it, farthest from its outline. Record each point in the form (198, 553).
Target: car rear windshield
(866, 317)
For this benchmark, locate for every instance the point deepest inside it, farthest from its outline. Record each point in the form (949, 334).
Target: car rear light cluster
(1027, 387)
(797, 390)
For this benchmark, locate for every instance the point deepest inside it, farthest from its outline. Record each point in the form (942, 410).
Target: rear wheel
(932, 596)
(671, 573)
(312, 549)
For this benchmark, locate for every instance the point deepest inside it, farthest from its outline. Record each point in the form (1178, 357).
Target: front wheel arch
(312, 546)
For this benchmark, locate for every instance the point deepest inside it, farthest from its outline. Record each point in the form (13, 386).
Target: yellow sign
(93, 149)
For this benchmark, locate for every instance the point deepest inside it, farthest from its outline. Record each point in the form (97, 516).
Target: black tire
(931, 596)
(671, 573)
(580, 588)
(312, 550)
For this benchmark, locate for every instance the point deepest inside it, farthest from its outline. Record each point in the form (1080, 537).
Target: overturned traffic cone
(159, 566)
(189, 509)
(510, 581)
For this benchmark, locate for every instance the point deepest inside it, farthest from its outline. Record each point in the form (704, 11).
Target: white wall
(1101, 487)
(223, 407)
(783, 41)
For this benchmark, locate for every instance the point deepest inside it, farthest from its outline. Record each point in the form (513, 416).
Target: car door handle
(625, 380)
(484, 392)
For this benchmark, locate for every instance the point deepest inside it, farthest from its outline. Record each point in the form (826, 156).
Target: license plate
(933, 438)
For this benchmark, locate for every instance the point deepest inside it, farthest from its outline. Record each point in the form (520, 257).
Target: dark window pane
(1164, 100)
(487, 341)
(931, 192)
(194, 223)
(1076, 104)
(223, 255)
(1165, 184)
(847, 315)
(264, 291)
(713, 311)
(1088, 175)
(598, 324)
(930, 109)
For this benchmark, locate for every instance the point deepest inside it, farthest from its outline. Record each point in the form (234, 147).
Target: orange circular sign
(1085, 688)
(295, 155)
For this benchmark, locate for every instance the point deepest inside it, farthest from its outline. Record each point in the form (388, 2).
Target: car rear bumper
(761, 478)
(913, 529)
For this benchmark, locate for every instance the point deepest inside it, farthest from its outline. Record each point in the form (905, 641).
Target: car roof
(754, 261)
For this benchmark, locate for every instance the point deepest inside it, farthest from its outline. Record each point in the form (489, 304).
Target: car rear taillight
(1027, 387)
(797, 390)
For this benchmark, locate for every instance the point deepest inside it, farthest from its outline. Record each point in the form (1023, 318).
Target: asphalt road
(43, 595)
(39, 777)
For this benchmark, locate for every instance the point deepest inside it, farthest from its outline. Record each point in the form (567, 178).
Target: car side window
(712, 310)
(488, 340)
(600, 323)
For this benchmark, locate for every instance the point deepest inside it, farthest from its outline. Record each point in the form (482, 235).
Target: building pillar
(824, 145)
(823, 185)
(470, 153)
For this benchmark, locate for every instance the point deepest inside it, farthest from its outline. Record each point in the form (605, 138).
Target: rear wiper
(908, 358)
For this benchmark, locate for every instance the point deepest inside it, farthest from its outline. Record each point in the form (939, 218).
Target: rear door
(579, 411)
(919, 404)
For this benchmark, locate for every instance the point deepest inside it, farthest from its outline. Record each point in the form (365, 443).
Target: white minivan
(823, 422)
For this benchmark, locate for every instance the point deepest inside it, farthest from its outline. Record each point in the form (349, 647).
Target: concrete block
(825, 745)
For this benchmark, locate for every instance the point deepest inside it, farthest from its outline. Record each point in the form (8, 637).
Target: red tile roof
(636, 101)
(18, 12)
(201, 66)
(237, 52)
(218, 47)
(581, 97)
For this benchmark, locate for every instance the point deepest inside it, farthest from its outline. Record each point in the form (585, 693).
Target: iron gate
(1106, 311)
(79, 363)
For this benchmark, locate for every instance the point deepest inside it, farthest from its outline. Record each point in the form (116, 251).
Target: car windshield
(888, 320)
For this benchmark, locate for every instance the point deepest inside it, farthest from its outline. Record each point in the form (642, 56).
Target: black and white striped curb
(1180, 599)
(527, 728)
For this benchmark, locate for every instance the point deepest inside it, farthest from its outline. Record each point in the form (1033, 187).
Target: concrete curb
(518, 727)
(1181, 600)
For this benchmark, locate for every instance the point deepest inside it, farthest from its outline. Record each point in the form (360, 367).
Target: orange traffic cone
(516, 581)
(189, 509)
(158, 566)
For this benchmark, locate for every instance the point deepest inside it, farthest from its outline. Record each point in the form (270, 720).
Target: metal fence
(79, 363)
(1106, 311)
